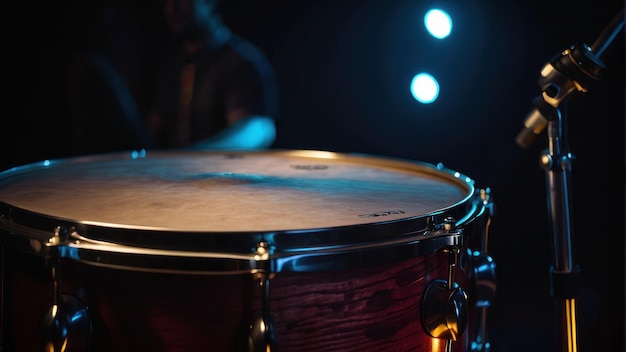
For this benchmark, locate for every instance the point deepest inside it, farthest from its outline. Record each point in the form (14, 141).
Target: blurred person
(218, 91)
(214, 91)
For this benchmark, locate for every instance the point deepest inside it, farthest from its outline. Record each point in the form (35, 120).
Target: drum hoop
(212, 263)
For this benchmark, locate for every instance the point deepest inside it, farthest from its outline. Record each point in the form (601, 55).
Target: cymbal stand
(574, 69)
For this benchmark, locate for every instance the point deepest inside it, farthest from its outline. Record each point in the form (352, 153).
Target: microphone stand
(574, 69)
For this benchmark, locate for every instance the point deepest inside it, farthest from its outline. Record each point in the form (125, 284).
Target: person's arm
(250, 132)
(250, 99)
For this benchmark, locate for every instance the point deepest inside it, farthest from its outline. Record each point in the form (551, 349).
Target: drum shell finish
(365, 309)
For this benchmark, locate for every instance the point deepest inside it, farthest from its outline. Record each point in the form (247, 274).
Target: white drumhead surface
(246, 191)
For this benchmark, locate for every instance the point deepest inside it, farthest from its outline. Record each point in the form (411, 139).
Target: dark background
(344, 69)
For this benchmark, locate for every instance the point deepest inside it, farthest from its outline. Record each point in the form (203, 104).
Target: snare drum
(236, 250)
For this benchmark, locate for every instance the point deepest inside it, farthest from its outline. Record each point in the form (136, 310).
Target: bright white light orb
(438, 23)
(424, 88)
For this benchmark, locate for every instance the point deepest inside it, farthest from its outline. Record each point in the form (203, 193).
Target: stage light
(424, 88)
(438, 23)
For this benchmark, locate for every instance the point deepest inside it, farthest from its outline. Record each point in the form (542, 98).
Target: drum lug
(444, 312)
(65, 325)
(445, 305)
(258, 334)
(258, 331)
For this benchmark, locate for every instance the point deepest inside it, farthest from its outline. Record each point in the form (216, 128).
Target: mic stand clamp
(573, 70)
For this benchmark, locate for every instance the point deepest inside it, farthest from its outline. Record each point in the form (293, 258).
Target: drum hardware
(484, 278)
(445, 303)
(65, 323)
(259, 335)
(485, 289)
(575, 69)
(434, 224)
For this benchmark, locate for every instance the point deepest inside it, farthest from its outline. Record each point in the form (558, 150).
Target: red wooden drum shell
(352, 286)
(371, 309)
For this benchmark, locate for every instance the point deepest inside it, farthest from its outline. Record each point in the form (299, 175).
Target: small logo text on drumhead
(382, 213)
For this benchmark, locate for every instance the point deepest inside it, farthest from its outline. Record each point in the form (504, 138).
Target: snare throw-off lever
(484, 274)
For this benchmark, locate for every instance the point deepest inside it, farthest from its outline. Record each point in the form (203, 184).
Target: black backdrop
(343, 69)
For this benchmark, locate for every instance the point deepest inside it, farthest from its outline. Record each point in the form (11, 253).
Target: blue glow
(78, 316)
(424, 88)
(46, 163)
(136, 154)
(249, 133)
(438, 23)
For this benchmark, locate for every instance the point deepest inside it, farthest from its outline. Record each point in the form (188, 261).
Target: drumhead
(228, 201)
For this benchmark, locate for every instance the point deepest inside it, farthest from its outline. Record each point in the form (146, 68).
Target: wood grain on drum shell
(368, 309)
